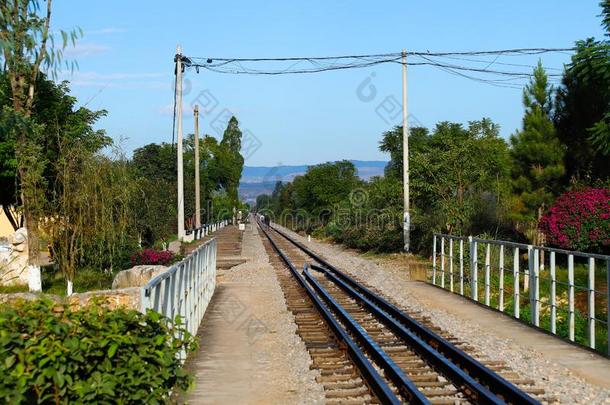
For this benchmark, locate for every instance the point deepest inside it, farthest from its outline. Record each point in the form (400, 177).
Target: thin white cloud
(126, 85)
(119, 80)
(167, 109)
(105, 30)
(114, 76)
(84, 49)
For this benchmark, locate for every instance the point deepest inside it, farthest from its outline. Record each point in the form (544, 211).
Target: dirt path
(249, 352)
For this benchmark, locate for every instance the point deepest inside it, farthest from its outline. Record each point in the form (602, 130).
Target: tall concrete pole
(197, 196)
(181, 232)
(405, 156)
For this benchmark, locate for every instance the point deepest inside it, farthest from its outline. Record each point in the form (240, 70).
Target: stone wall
(125, 291)
(137, 276)
(125, 297)
(14, 262)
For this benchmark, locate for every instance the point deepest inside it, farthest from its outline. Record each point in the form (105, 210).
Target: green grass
(54, 282)
(13, 289)
(85, 280)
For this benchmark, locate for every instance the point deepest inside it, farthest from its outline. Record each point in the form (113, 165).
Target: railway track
(369, 351)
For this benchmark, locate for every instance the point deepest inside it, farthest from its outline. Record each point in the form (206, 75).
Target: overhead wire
(460, 63)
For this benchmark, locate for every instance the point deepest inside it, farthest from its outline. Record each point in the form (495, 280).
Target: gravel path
(558, 381)
(249, 350)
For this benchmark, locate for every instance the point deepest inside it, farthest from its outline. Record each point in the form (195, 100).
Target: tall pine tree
(229, 151)
(537, 155)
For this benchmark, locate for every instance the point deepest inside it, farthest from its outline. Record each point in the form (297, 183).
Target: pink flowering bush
(151, 256)
(579, 220)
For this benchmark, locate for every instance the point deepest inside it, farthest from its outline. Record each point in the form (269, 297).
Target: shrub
(579, 220)
(151, 256)
(51, 354)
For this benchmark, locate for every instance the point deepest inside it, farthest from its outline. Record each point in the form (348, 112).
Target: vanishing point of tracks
(367, 350)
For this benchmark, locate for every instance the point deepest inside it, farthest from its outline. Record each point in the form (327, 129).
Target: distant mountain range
(257, 180)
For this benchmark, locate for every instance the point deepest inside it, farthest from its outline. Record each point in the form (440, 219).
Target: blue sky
(126, 66)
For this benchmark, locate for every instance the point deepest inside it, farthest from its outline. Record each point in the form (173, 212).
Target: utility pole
(405, 156)
(197, 196)
(181, 232)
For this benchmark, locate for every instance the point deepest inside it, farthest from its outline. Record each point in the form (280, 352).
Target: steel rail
(473, 389)
(373, 379)
(468, 367)
(408, 389)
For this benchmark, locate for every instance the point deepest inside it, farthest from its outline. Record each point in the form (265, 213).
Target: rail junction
(368, 350)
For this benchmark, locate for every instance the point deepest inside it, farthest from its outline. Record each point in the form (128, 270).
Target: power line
(505, 52)
(445, 61)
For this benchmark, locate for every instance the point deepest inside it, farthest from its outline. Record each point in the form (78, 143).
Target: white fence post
(451, 264)
(442, 262)
(474, 293)
(461, 266)
(553, 295)
(516, 269)
(487, 272)
(533, 265)
(501, 281)
(434, 259)
(591, 294)
(571, 297)
(537, 287)
(608, 302)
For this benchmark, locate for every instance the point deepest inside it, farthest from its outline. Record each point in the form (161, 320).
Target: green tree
(60, 119)
(537, 155)
(392, 143)
(457, 168)
(324, 185)
(230, 159)
(263, 202)
(91, 216)
(26, 44)
(582, 116)
(155, 206)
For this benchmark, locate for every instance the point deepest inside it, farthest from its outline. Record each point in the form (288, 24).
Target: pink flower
(579, 220)
(151, 256)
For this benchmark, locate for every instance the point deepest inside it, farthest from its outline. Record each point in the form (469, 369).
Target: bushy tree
(27, 46)
(91, 221)
(392, 143)
(582, 114)
(61, 122)
(371, 217)
(456, 169)
(154, 165)
(324, 186)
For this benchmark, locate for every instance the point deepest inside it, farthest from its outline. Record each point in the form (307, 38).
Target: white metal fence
(206, 229)
(564, 292)
(186, 288)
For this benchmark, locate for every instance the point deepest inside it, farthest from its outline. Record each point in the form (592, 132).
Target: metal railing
(206, 229)
(564, 292)
(186, 288)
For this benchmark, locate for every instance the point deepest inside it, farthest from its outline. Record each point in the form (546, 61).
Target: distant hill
(257, 180)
